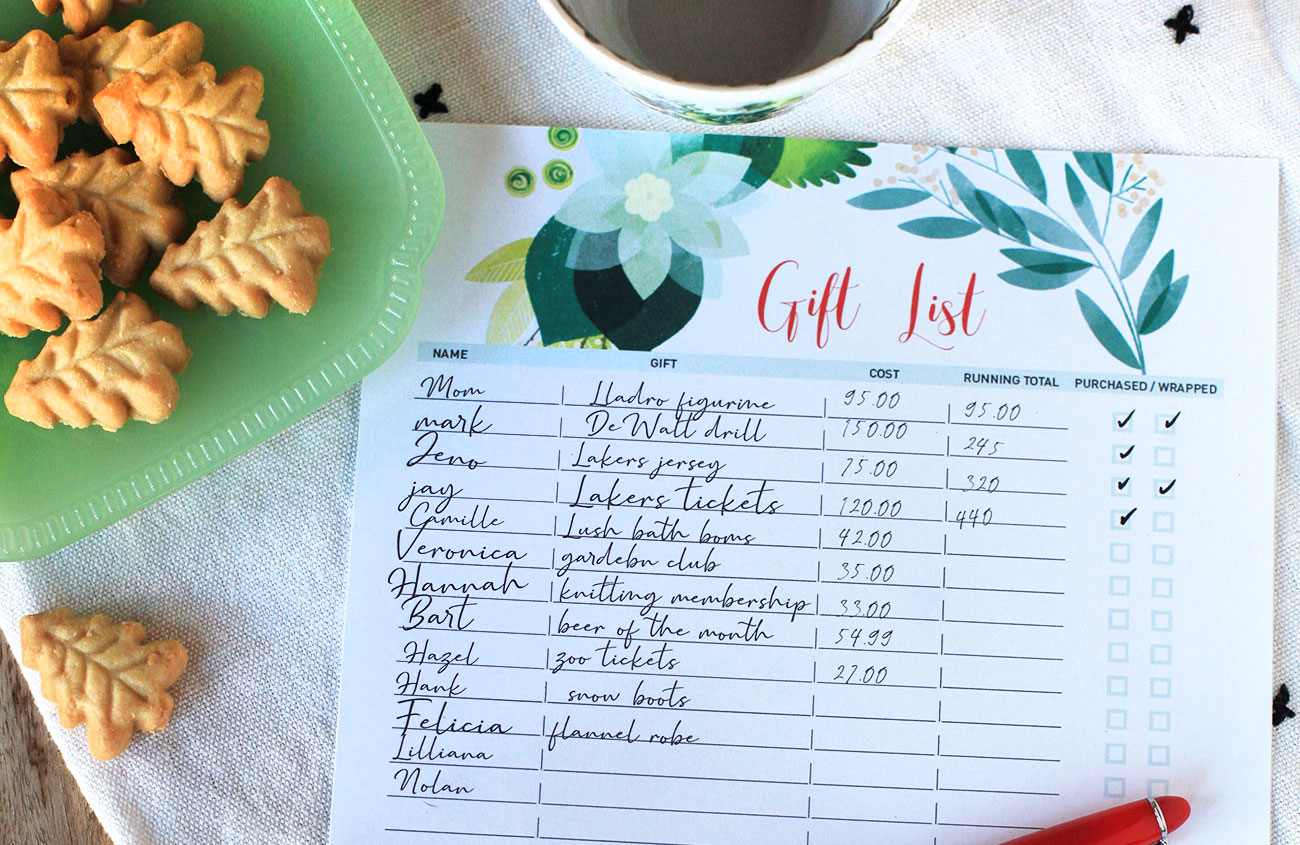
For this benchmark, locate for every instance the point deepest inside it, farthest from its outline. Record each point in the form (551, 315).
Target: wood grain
(39, 801)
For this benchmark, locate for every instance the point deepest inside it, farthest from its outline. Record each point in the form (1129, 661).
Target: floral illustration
(639, 239)
(1051, 249)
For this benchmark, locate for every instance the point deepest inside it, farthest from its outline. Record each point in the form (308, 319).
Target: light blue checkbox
(1117, 685)
(1122, 421)
(1164, 456)
(1117, 719)
(1162, 688)
(1162, 621)
(1118, 619)
(1121, 519)
(1120, 552)
(1166, 423)
(1157, 788)
(1161, 488)
(1158, 755)
(1116, 753)
(1119, 585)
(1159, 721)
(1162, 555)
(1113, 787)
(1117, 652)
(1162, 655)
(1162, 522)
(1125, 458)
(1122, 492)
(1162, 588)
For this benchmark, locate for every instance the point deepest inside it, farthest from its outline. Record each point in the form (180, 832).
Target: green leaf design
(1105, 331)
(1164, 307)
(1030, 280)
(1082, 205)
(810, 161)
(1099, 167)
(973, 199)
(551, 285)
(504, 265)
(1007, 218)
(1140, 241)
(511, 316)
(1049, 230)
(1030, 172)
(1048, 263)
(888, 198)
(940, 228)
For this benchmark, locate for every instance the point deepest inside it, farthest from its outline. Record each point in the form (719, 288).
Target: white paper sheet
(809, 526)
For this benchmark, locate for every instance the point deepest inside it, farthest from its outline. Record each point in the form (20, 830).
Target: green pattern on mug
(562, 137)
(558, 174)
(520, 181)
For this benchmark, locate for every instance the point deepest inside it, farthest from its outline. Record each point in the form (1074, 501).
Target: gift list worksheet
(736, 489)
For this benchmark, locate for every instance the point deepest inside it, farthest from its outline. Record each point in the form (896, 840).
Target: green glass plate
(341, 131)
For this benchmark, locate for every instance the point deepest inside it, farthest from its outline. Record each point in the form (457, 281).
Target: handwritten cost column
(471, 591)
(878, 645)
(682, 610)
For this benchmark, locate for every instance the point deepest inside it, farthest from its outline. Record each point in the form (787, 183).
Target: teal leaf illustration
(1007, 218)
(1049, 230)
(810, 161)
(1161, 296)
(1082, 205)
(707, 176)
(646, 253)
(1099, 167)
(1164, 306)
(940, 228)
(1140, 241)
(595, 206)
(973, 199)
(551, 286)
(504, 265)
(700, 230)
(1042, 270)
(764, 155)
(1105, 331)
(888, 198)
(511, 316)
(1027, 168)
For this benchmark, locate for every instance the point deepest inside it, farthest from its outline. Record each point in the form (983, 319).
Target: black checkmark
(1124, 421)
(1120, 485)
(1169, 423)
(1123, 520)
(1164, 491)
(1126, 452)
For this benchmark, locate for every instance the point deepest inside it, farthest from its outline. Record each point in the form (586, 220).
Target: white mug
(726, 61)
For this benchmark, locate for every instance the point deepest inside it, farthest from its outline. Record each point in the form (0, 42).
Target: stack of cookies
(84, 218)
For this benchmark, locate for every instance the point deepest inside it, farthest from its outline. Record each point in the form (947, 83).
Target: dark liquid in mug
(727, 42)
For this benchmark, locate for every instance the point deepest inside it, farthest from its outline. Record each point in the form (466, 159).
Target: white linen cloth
(247, 566)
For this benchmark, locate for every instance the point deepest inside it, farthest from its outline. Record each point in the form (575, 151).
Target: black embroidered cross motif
(1280, 710)
(430, 102)
(1182, 24)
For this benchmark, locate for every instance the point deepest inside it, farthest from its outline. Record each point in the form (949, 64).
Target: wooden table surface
(40, 803)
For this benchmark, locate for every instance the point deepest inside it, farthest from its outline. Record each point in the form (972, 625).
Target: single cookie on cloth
(83, 16)
(98, 59)
(121, 365)
(248, 256)
(36, 100)
(102, 673)
(133, 203)
(49, 266)
(190, 124)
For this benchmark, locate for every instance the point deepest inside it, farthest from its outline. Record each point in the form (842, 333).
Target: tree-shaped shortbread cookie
(102, 673)
(36, 100)
(82, 16)
(190, 124)
(248, 256)
(121, 365)
(49, 266)
(132, 202)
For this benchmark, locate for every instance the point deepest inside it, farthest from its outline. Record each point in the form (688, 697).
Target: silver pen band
(1160, 820)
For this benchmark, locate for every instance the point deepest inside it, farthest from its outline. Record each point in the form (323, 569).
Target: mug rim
(730, 96)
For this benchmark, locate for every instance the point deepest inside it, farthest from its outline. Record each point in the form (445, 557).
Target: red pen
(1143, 822)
